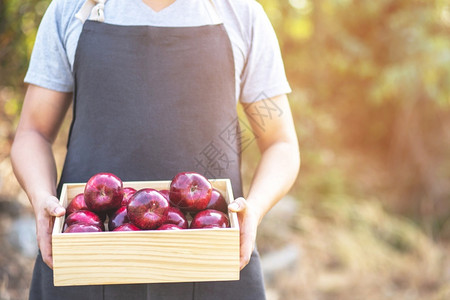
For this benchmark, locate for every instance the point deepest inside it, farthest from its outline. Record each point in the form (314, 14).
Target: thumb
(239, 204)
(53, 207)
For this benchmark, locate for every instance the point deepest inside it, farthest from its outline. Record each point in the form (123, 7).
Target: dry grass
(358, 251)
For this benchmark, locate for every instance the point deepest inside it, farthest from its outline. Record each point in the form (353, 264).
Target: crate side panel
(137, 257)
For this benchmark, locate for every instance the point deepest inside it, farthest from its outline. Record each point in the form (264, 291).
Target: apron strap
(92, 9)
(213, 13)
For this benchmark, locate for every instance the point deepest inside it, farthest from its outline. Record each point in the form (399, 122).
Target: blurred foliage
(19, 20)
(371, 102)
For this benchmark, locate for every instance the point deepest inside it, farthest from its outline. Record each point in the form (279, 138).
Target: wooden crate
(152, 256)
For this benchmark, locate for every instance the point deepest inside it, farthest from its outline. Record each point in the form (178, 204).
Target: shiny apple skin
(169, 227)
(127, 193)
(190, 191)
(85, 217)
(82, 228)
(209, 218)
(103, 192)
(217, 202)
(76, 204)
(165, 193)
(148, 209)
(176, 217)
(127, 227)
(118, 218)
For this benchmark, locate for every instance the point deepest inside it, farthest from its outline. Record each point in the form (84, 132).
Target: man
(153, 84)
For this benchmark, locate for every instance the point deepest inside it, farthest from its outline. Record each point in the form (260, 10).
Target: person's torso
(153, 101)
(236, 16)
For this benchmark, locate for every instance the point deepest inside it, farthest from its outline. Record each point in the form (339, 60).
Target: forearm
(34, 165)
(33, 162)
(274, 176)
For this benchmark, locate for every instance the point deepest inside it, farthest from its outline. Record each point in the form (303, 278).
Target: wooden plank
(152, 256)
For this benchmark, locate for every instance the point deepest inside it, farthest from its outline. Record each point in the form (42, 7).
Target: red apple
(78, 227)
(84, 217)
(148, 209)
(175, 216)
(127, 227)
(165, 193)
(127, 193)
(76, 204)
(190, 191)
(169, 227)
(103, 192)
(210, 217)
(118, 218)
(217, 202)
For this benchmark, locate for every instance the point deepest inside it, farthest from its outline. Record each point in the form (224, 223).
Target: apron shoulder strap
(92, 10)
(213, 12)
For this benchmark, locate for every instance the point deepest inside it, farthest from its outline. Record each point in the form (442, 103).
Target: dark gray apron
(150, 102)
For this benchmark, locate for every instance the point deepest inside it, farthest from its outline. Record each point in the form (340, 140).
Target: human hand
(45, 209)
(248, 224)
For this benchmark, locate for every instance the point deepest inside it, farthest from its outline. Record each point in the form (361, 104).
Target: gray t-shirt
(258, 63)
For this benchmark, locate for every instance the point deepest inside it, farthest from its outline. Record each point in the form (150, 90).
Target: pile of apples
(191, 197)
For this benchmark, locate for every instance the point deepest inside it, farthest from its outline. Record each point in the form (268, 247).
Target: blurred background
(369, 215)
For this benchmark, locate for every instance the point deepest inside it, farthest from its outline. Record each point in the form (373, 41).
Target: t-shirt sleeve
(49, 65)
(263, 75)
